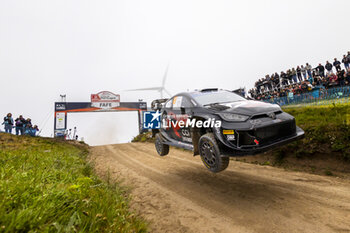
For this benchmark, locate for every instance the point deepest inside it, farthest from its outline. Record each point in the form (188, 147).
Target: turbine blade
(165, 75)
(166, 91)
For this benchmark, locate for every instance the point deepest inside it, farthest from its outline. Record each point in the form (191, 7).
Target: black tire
(210, 153)
(162, 149)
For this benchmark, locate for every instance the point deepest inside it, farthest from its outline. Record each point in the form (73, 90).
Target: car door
(166, 121)
(186, 114)
(174, 117)
(182, 108)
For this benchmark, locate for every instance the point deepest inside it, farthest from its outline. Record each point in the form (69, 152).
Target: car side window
(177, 100)
(169, 104)
(186, 103)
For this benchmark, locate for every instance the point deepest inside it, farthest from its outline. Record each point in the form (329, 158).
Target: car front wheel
(210, 153)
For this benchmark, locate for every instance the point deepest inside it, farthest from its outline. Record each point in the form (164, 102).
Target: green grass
(324, 102)
(327, 130)
(47, 186)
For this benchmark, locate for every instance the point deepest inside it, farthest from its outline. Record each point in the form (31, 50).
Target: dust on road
(176, 193)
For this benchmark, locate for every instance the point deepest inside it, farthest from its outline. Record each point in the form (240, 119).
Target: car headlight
(233, 117)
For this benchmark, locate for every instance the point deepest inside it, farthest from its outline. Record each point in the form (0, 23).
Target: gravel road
(176, 193)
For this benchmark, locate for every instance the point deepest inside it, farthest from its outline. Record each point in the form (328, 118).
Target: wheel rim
(208, 154)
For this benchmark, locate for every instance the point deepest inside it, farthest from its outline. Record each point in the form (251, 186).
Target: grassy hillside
(325, 148)
(47, 185)
(327, 130)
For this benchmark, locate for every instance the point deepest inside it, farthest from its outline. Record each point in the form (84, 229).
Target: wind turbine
(160, 89)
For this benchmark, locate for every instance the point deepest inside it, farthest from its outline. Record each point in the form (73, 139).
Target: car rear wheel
(210, 153)
(162, 149)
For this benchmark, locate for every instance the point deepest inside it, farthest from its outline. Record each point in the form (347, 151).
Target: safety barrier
(318, 96)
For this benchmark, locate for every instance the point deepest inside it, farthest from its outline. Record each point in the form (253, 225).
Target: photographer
(8, 123)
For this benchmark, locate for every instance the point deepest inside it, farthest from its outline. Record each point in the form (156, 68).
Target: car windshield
(217, 97)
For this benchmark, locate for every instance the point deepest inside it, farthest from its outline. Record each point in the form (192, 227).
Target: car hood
(250, 107)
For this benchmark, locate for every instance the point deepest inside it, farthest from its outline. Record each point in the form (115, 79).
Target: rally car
(217, 124)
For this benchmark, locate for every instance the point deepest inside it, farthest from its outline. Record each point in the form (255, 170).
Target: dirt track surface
(176, 193)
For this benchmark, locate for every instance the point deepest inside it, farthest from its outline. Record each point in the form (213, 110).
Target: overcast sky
(79, 47)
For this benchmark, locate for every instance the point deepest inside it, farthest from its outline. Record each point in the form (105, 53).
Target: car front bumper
(256, 149)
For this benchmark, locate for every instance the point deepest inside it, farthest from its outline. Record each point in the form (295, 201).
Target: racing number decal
(185, 132)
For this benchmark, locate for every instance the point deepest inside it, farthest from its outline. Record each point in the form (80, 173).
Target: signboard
(105, 100)
(60, 106)
(60, 120)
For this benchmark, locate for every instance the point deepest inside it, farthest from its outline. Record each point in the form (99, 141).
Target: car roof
(191, 94)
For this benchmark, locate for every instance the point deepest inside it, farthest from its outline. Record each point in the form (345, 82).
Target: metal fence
(318, 96)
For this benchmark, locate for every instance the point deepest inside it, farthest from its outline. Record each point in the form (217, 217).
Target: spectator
(34, 130)
(320, 70)
(8, 123)
(314, 73)
(20, 121)
(317, 80)
(277, 81)
(302, 79)
(267, 83)
(308, 68)
(347, 77)
(333, 80)
(310, 79)
(294, 75)
(284, 79)
(272, 81)
(257, 85)
(346, 62)
(303, 71)
(336, 64)
(299, 74)
(28, 129)
(329, 68)
(325, 80)
(341, 77)
(289, 76)
(28, 122)
(304, 86)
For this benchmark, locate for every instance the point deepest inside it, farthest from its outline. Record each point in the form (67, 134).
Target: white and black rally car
(218, 124)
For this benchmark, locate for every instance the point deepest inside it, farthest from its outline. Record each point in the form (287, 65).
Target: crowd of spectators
(21, 125)
(303, 79)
